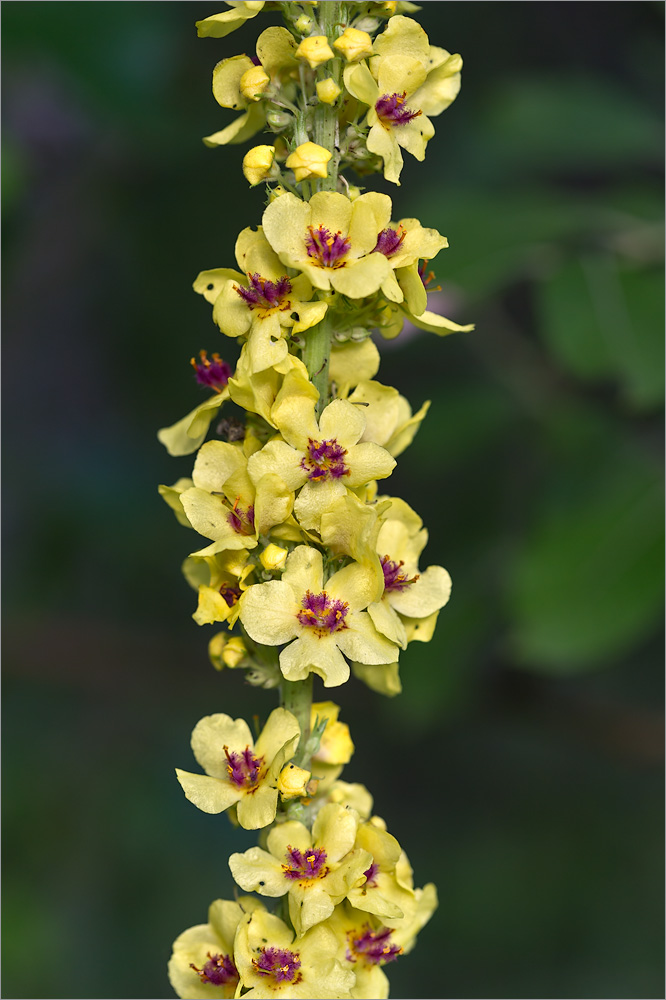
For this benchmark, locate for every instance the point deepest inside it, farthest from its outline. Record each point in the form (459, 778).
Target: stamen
(324, 460)
(322, 614)
(394, 578)
(427, 278)
(391, 110)
(242, 521)
(326, 249)
(372, 947)
(215, 373)
(310, 867)
(218, 970)
(244, 769)
(279, 964)
(389, 241)
(264, 294)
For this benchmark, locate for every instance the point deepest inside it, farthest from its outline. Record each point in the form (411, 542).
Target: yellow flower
(258, 164)
(309, 160)
(381, 893)
(272, 964)
(320, 459)
(239, 771)
(328, 90)
(202, 963)
(354, 44)
(331, 239)
(315, 50)
(322, 624)
(317, 870)
(261, 302)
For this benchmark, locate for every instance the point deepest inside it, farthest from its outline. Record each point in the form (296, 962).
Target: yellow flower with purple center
(330, 239)
(320, 459)
(202, 962)
(316, 869)
(239, 771)
(366, 945)
(261, 302)
(406, 80)
(320, 622)
(226, 506)
(272, 963)
(381, 893)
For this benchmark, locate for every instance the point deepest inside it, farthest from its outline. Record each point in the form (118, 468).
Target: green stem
(297, 699)
(297, 695)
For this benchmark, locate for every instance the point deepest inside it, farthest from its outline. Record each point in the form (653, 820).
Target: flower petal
(362, 642)
(258, 871)
(268, 612)
(211, 795)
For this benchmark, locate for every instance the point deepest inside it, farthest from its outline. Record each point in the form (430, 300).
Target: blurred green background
(521, 768)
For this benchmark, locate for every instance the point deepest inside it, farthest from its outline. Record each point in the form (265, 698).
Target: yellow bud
(327, 90)
(353, 192)
(309, 160)
(390, 6)
(336, 745)
(293, 781)
(215, 648)
(303, 24)
(253, 83)
(354, 44)
(258, 163)
(273, 557)
(316, 50)
(276, 192)
(234, 652)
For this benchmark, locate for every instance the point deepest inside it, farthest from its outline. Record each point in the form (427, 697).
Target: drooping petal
(310, 654)
(361, 641)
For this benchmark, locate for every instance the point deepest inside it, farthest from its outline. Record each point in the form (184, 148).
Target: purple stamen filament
(242, 521)
(389, 241)
(279, 963)
(322, 614)
(372, 947)
(394, 578)
(300, 866)
(230, 594)
(218, 970)
(244, 769)
(264, 294)
(325, 248)
(215, 373)
(391, 109)
(324, 460)
(371, 876)
(427, 278)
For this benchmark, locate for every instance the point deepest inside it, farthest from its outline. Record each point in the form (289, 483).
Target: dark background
(521, 768)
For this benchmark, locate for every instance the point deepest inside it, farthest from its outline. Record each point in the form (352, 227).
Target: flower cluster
(311, 571)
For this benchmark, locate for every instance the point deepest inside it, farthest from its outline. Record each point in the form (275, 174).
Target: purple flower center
(310, 865)
(264, 294)
(244, 768)
(322, 614)
(280, 964)
(218, 970)
(427, 278)
(215, 373)
(394, 578)
(324, 460)
(392, 110)
(326, 249)
(389, 241)
(230, 594)
(242, 521)
(372, 947)
(371, 876)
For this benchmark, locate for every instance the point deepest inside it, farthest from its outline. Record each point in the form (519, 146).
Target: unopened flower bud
(303, 24)
(234, 652)
(315, 50)
(273, 558)
(353, 44)
(258, 164)
(293, 781)
(336, 745)
(253, 83)
(327, 90)
(353, 192)
(278, 120)
(309, 160)
(276, 192)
